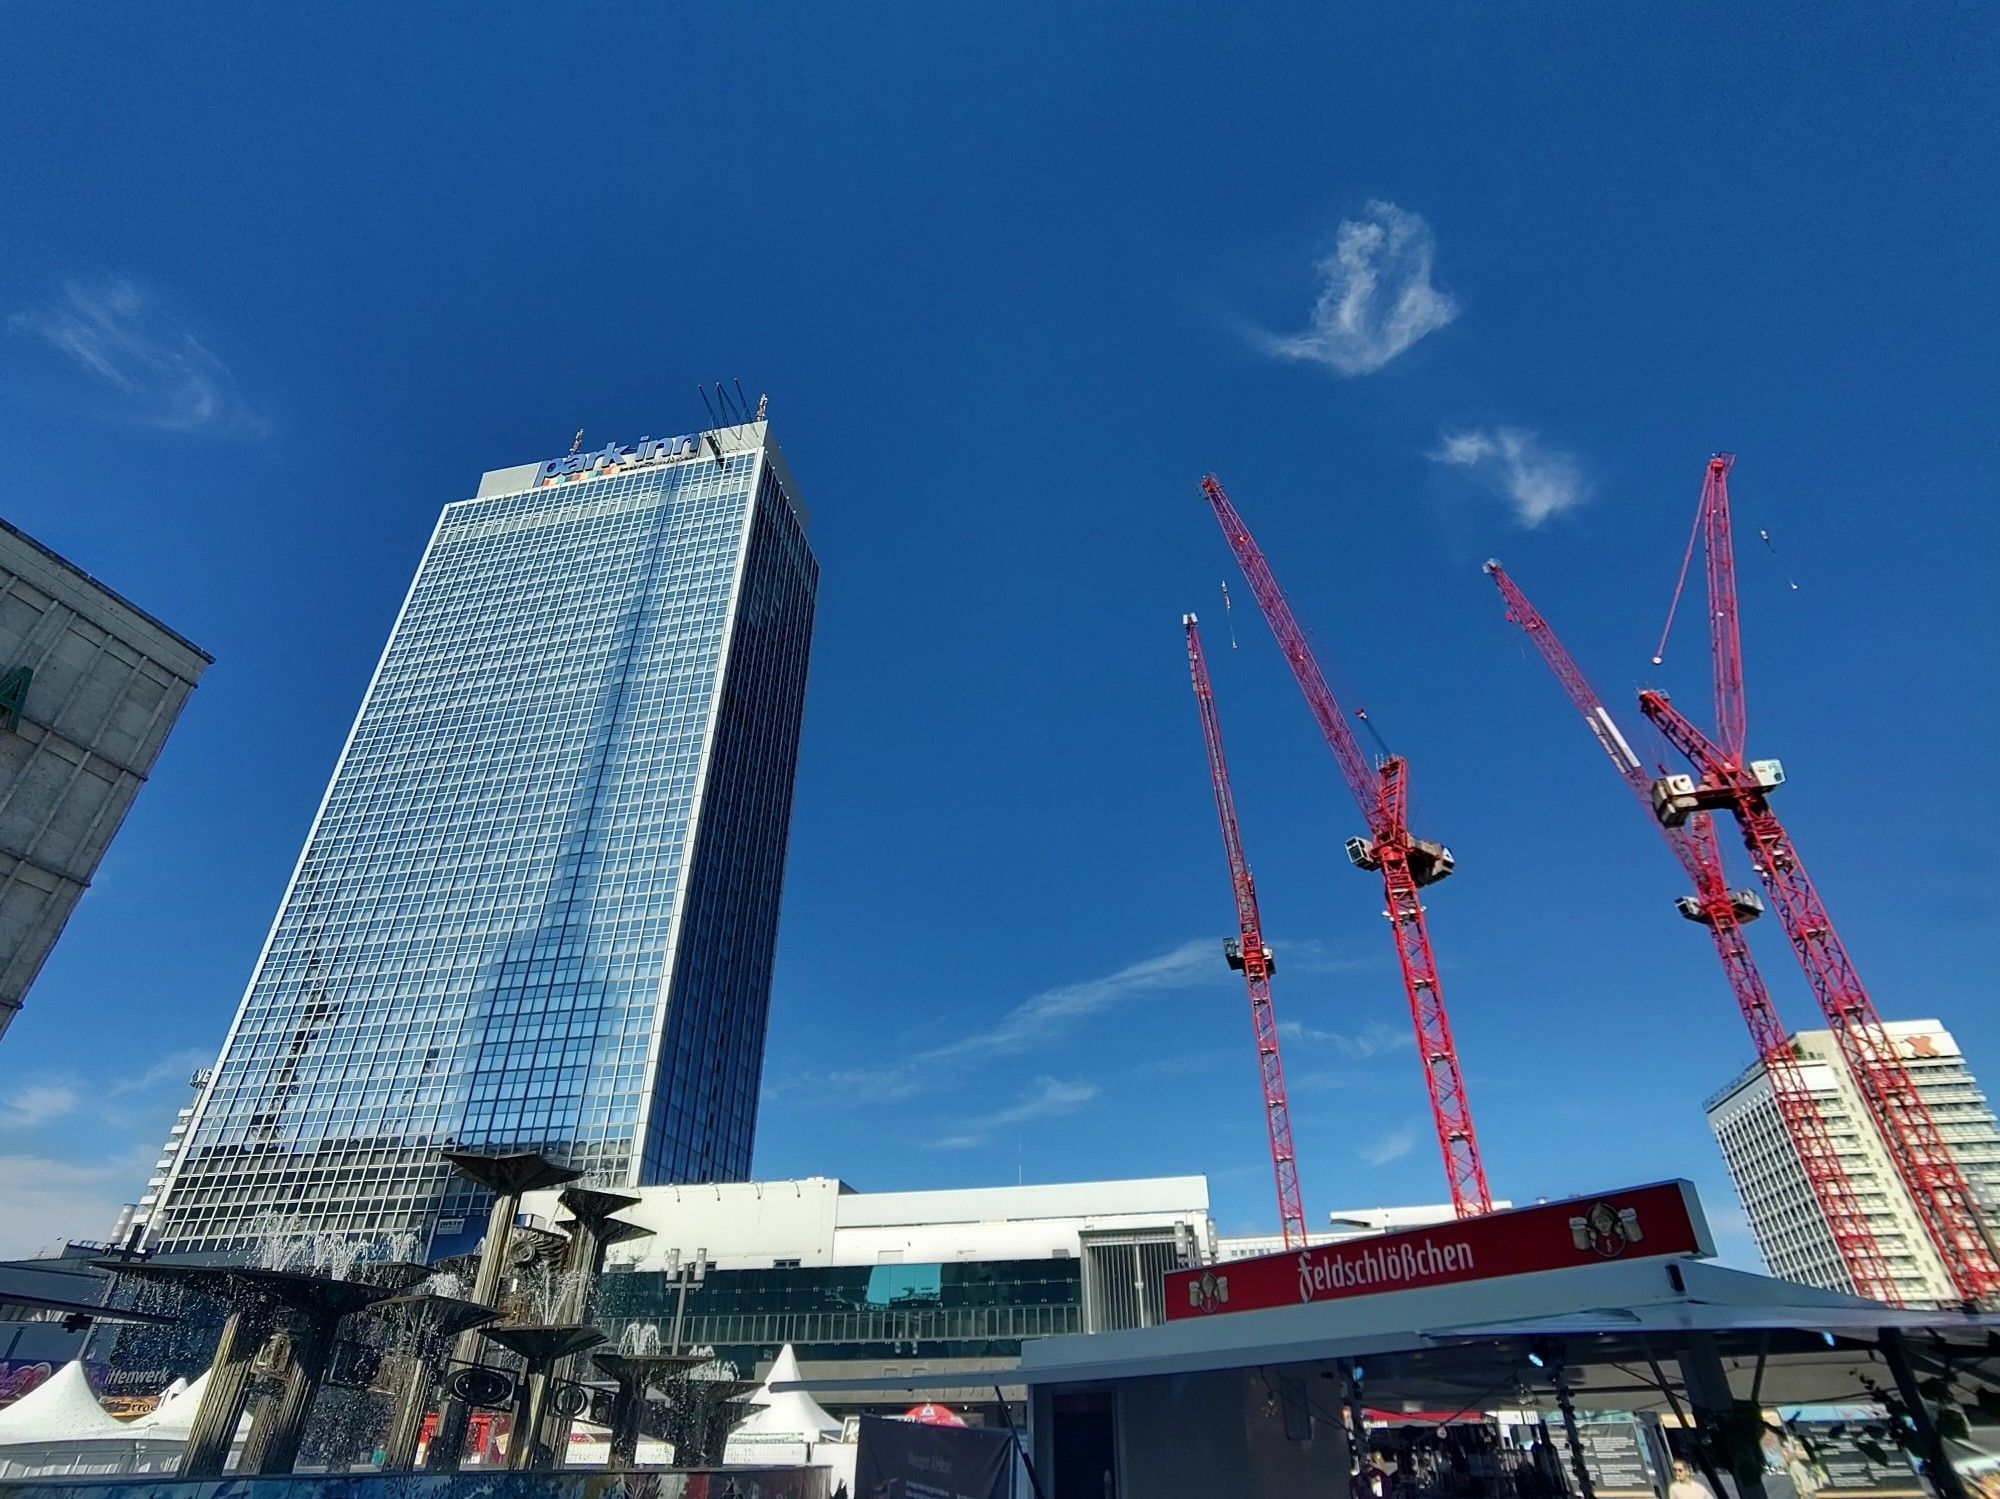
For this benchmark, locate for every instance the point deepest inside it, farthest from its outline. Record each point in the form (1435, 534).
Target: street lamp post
(685, 1275)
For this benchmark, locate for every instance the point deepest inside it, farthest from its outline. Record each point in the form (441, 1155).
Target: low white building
(895, 1282)
(1344, 1224)
(821, 1220)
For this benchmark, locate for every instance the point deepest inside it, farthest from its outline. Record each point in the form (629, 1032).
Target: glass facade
(964, 1309)
(538, 906)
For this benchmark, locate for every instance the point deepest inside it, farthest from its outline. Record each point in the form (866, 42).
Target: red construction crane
(1406, 864)
(1723, 780)
(1725, 912)
(1250, 956)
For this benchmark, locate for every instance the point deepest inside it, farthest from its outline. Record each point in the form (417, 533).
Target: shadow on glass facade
(538, 905)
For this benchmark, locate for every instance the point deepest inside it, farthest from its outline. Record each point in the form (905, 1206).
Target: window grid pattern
(966, 1309)
(1784, 1216)
(478, 946)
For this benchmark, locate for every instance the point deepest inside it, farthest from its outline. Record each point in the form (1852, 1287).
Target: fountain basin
(572, 1483)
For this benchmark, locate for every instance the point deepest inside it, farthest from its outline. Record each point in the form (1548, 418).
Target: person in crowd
(1686, 1486)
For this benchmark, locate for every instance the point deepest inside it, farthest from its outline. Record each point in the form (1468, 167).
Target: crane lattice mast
(1724, 912)
(1249, 955)
(1406, 865)
(1723, 780)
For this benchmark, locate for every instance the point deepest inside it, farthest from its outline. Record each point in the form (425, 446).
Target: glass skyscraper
(538, 905)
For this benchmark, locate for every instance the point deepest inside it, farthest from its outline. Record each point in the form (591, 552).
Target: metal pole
(582, 1265)
(206, 1450)
(1034, 1479)
(1577, 1465)
(1701, 1454)
(680, 1304)
(1937, 1462)
(310, 1354)
(625, 1423)
(1715, 1408)
(1357, 1423)
(454, 1415)
(528, 1407)
(399, 1448)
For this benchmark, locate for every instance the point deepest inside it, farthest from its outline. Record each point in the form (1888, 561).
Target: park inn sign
(1636, 1223)
(615, 458)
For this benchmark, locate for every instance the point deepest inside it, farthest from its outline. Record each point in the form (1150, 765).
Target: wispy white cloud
(1311, 955)
(1042, 1017)
(37, 1104)
(1377, 296)
(163, 375)
(1372, 1040)
(50, 1201)
(174, 1067)
(1049, 1098)
(1031, 1026)
(1538, 481)
(1186, 1064)
(1393, 1146)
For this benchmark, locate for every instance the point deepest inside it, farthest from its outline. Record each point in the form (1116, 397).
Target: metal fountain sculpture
(636, 1367)
(306, 1308)
(592, 1231)
(507, 1177)
(546, 1400)
(287, 1322)
(430, 1325)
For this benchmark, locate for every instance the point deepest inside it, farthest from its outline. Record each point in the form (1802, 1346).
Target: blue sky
(1422, 289)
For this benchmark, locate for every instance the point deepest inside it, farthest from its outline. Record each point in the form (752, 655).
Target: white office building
(894, 1284)
(1790, 1231)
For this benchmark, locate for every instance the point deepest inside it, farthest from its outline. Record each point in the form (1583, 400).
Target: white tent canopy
(59, 1428)
(786, 1425)
(173, 1417)
(783, 1414)
(62, 1408)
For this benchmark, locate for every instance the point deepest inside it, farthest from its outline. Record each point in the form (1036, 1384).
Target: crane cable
(1694, 536)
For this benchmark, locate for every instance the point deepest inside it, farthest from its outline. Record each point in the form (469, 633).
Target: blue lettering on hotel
(614, 456)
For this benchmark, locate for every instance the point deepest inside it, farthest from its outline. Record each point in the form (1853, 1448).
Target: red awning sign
(1635, 1223)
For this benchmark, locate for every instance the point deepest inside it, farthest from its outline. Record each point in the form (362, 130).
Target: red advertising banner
(1632, 1223)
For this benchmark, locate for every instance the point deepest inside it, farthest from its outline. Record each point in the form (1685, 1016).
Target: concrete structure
(1790, 1231)
(134, 1217)
(538, 905)
(89, 687)
(865, 1283)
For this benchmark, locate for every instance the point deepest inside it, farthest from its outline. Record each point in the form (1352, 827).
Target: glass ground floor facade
(969, 1309)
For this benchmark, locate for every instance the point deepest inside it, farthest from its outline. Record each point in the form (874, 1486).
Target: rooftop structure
(90, 685)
